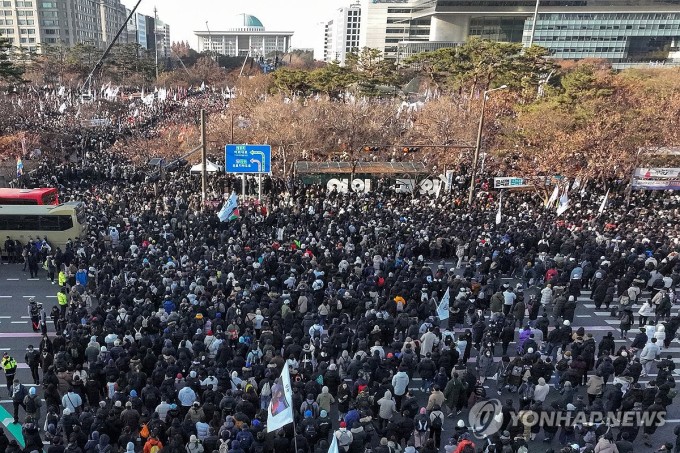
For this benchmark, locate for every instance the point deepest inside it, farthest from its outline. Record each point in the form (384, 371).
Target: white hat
(566, 322)
(460, 424)
(571, 298)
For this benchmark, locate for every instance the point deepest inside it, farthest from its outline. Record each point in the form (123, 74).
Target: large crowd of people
(171, 327)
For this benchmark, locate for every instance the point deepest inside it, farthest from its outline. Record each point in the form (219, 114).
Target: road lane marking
(13, 279)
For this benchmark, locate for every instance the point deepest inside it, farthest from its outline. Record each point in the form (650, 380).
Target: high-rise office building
(163, 42)
(34, 24)
(341, 34)
(386, 23)
(150, 33)
(623, 31)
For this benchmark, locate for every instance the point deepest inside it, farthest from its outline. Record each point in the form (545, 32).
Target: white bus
(56, 223)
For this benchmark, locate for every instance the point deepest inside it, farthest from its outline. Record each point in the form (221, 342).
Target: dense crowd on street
(171, 327)
(63, 119)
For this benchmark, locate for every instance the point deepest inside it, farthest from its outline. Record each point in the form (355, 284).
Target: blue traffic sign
(248, 158)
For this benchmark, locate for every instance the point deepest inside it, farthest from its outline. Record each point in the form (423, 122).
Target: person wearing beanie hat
(325, 399)
(541, 390)
(309, 427)
(194, 445)
(421, 431)
(344, 437)
(130, 448)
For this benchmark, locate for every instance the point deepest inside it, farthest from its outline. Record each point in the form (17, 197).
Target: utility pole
(478, 145)
(214, 57)
(155, 37)
(204, 161)
(533, 24)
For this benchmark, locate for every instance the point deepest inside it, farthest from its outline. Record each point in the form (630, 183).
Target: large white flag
(229, 207)
(564, 204)
(500, 205)
(334, 445)
(604, 202)
(443, 308)
(553, 197)
(280, 411)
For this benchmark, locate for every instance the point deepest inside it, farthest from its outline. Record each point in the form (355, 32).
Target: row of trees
(583, 120)
(574, 119)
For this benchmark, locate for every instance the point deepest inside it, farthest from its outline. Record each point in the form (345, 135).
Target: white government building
(242, 35)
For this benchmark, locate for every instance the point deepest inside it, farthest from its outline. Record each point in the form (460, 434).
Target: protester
(170, 327)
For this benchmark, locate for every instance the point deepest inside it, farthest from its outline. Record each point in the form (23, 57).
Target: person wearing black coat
(620, 363)
(4, 441)
(615, 398)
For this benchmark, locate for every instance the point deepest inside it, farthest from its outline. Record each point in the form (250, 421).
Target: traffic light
(409, 149)
(371, 149)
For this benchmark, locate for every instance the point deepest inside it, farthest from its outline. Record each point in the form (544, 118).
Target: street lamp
(478, 146)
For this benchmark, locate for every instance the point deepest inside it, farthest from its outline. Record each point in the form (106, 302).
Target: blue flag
(229, 208)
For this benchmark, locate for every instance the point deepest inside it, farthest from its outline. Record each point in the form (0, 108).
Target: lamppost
(475, 158)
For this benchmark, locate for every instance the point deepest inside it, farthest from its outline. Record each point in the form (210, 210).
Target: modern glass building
(622, 31)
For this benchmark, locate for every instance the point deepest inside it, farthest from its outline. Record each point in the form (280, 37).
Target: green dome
(244, 21)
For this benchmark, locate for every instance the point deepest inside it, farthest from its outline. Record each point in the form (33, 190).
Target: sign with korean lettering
(509, 183)
(248, 158)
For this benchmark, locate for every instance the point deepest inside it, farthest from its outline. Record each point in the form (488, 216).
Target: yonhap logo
(486, 418)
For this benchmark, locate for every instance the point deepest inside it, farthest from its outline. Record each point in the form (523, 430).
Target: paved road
(16, 334)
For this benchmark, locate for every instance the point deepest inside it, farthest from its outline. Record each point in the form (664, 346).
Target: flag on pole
(553, 197)
(500, 205)
(443, 308)
(604, 202)
(20, 167)
(230, 209)
(280, 411)
(334, 445)
(564, 204)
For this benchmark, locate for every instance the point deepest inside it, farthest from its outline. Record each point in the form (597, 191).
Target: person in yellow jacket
(9, 366)
(62, 300)
(62, 278)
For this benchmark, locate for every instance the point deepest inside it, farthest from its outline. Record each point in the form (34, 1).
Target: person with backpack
(310, 429)
(153, 444)
(465, 445)
(32, 404)
(436, 424)
(194, 445)
(310, 405)
(422, 428)
(344, 438)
